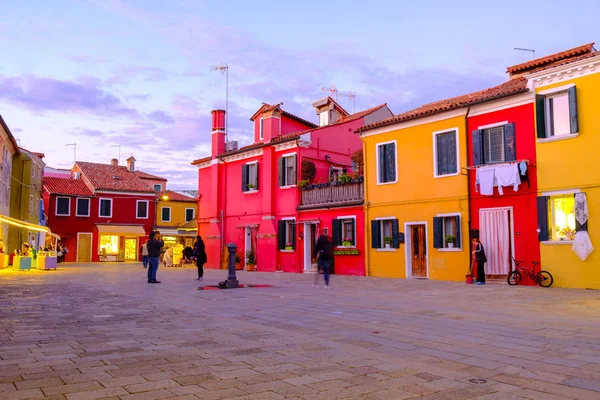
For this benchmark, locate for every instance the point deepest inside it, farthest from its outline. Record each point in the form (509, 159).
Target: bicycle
(542, 278)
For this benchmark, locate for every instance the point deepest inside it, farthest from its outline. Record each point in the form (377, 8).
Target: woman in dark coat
(200, 254)
(480, 258)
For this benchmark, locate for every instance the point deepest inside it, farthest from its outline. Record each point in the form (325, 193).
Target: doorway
(247, 244)
(497, 238)
(416, 250)
(310, 238)
(84, 247)
(131, 249)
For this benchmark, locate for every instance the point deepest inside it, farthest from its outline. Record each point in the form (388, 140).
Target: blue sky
(136, 73)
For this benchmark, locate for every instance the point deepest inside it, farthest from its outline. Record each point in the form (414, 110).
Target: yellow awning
(23, 224)
(121, 230)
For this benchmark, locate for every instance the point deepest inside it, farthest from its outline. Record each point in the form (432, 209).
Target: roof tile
(176, 196)
(545, 61)
(145, 175)
(113, 177)
(66, 186)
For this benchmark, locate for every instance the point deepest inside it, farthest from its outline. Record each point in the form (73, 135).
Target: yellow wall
(177, 212)
(572, 164)
(417, 197)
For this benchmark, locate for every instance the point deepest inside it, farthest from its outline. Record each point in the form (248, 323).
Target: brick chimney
(114, 161)
(131, 164)
(218, 132)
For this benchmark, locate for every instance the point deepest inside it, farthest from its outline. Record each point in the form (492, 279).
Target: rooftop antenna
(74, 151)
(224, 69)
(351, 96)
(119, 146)
(332, 90)
(530, 50)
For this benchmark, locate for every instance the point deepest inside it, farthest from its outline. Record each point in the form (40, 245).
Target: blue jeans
(145, 261)
(152, 268)
(324, 266)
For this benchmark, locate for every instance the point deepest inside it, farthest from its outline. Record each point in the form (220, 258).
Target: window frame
(382, 247)
(162, 208)
(435, 152)
(549, 113)
(324, 121)
(100, 207)
(159, 187)
(193, 214)
(68, 214)
(546, 95)
(551, 217)
(342, 219)
(458, 227)
(77, 206)
(377, 146)
(289, 222)
(248, 165)
(137, 209)
(261, 129)
(286, 184)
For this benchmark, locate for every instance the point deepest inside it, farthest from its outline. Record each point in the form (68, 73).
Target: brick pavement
(100, 331)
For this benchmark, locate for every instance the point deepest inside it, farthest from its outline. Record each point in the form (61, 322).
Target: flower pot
(450, 245)
(239, 267)
(250, 267)
(289, 248)
(387, 245)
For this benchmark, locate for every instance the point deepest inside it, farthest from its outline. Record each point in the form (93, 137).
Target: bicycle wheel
(514, 278)
(544, 279)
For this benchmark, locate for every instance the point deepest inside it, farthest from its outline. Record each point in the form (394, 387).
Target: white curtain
(495, 237)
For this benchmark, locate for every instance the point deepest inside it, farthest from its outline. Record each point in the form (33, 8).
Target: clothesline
(529, 163)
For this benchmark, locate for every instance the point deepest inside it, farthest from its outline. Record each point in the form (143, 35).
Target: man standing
(154, 245)
(324, 253)
(145, 255)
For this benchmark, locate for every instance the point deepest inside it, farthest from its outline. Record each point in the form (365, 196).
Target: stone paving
(100, 331)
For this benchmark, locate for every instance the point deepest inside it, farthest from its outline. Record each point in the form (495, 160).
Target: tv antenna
(351, 96)
(332, 89)
(74, 151)
(529, 50)
(119, 146)
(223, 68)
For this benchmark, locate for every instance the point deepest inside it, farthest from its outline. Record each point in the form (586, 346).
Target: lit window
(110, 243)
(561, 215)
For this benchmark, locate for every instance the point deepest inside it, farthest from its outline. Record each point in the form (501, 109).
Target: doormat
(215, 287)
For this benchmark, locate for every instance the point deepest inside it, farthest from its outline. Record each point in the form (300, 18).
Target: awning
(23, 224)
(121, 230)
(167, 232)
(54, 235)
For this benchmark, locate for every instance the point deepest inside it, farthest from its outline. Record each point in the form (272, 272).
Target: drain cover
(477, 381)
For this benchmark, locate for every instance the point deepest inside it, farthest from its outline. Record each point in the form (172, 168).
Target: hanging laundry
(486, 179)
(582, 245)
(523, 168)
(508, 175)
(581, 208)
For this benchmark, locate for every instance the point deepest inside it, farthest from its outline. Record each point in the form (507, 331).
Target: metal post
(226, 102)
(232, 282)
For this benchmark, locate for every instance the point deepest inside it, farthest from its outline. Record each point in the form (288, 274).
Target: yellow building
(176, 214)
(567, 126)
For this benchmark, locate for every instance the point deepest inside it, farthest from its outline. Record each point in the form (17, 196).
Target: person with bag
(200, 254)
(481, 259)
(323, 251)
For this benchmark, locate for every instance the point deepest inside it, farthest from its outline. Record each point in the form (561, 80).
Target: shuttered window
(556, 114)
(386, 162)
(287, 170)
(250, 177)
(286, 234)
(446, 232)
(494, 145)
(385, 230)
(446, 157)
(343, 232)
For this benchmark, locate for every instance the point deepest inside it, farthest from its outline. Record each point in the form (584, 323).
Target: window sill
(287, 187)
(557, 242)
(345, 247)
(445, 176)
(250, 192)
(386, 183)
(558, 138)
(386, 250)
(287, 251)
(450, 249)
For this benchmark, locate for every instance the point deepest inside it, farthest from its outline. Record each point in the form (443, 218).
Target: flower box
(346, 252)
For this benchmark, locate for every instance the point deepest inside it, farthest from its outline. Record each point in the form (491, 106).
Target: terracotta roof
(201, 160)
(66, 186)
(544, 61)
(327, 99)
(10, 135)
(113, 177)
(514, 86)
(175, 196)
(270, 107)
(145, 175)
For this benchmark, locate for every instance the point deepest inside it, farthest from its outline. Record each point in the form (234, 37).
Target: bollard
(232, 282)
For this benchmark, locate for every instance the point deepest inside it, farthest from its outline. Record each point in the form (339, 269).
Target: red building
(503, 140)
(251, 196)
(102, 212)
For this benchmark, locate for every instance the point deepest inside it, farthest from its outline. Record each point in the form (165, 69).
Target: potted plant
(238, 262)
(251, 187)
(450, 240)
(387, 241)
(303, 184)
(288, 246)
(250, 260)
(345, 178)
(347, 242)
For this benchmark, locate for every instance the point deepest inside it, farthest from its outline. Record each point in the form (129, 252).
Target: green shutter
(281, 235)
(294, 174)
(458, 229)
(540, 115)
(293, 234)
(281, 171)
(336, 232)
(395, 231)
(510, 143)
(438, 233)
(573, 118)
(256, 179)
(477, 147)
(375, 234)
(381, 164)
(244, 177)
(542, 212)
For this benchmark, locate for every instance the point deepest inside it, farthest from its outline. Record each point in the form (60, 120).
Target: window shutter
(256, 178)
(293, 234)
(336, 232)
(375, 234)
(578, 226)
(395, 230)
(294, 176)
(281, 171)
(381, 166)
(438, 231)
(281, 235)
(458, 229)
(573, 110)
(477, 145)
(540, 115)
(390, 152)
(510, 142)
(244, 178)
(542, 212)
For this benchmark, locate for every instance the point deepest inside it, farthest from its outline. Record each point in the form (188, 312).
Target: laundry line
(529, 164)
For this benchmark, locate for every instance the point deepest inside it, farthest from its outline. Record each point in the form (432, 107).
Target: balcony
(332, 196)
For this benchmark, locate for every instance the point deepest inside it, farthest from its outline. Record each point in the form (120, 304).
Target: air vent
(116, 177)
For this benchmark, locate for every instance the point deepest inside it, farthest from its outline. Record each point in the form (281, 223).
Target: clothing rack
(529, 164)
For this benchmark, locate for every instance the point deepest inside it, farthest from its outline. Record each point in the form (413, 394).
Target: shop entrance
(131, 250)
(84, 247)
(416, 250)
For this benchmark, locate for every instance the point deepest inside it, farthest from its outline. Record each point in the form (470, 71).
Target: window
(446, 232)
(556, 114)
(446, 153)
(63, 206)
(142, 209)
(286, 234)
(31, 205)
(110, 243)
(324, 118)
(157, 188)
(165, 214)
(335, 173)
(261, 129)
(494, 144)
(287, 170)
(250, 177)
(83, 207)
(189, 214)
(386, 162)
(106, 208)
(343, 231)
(556, 218)
(384, 233)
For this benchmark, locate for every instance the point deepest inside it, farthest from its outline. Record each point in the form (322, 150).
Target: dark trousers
(323, 266)
(200, 266)
(145, 261)
(152, 268)
(480, 271)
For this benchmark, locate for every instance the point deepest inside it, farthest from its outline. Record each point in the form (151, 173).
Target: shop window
(63, 206)
(287, 170)
(189, 214)
(344, 231)
(446, 153)
(556, 114)
(105, 208)
(494, 145)
(386, 162)
(83, 207)
(250, 177)
(110, 243)
(165, 214)
(142, 209)
(446, 232)
(556, 218)
(286, 234)
(385, 233)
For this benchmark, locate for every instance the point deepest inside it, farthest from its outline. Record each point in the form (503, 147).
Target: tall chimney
(131, 164)
(218, 132)
(114, 161)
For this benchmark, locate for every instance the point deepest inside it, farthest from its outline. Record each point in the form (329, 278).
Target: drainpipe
(366, 213)
(468, 180)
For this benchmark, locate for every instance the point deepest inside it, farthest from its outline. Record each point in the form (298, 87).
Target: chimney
(131, 164)
(270, 124)
(218, 132)
(114, 161)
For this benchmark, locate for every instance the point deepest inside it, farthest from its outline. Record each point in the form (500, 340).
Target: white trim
(557, 242)
(68, 214)
(261, 131)
(100, 207)
(415, 122)
(218, 131)
(289, 154)
(382, 218)
(377, 145)
(240, 156)
(252, 162)
(568, 71)
(247, 244)
(250, 191)
(204, 164)
(355, 228)
(77, 245)
(153, 194)
(556, 90)
(408, 248)
(193, 214)
(391, 249)
(77, 206)
(286, 146)
(288, 219)
(147, 209)
(458, 229)
(161, 214)
(308, 240)
(456, 133)
(558, 138)
(287, 187)
(502, 104)
(160, 187)
(561, 192)
(494, 125)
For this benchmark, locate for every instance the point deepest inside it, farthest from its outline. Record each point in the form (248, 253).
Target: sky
(136, 73)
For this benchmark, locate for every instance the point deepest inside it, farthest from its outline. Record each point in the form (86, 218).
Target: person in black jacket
(155, 244)
(200, 254)
(480, 258)
(323, 251)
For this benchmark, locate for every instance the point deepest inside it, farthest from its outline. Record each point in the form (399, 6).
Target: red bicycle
(542, 278)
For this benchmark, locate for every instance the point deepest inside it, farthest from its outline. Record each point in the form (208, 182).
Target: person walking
(200, 254)
(323, 251)
(145, 255)
(480, 259)
(155, 244)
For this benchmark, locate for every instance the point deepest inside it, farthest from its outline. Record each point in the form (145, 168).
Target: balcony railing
(349, 193)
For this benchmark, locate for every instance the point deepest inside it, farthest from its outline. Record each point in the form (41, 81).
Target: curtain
(495, 237)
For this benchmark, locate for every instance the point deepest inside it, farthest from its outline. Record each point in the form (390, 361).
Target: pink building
(251, 196)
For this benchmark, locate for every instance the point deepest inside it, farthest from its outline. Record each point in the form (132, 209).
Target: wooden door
(419, 250)
(84, 247)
